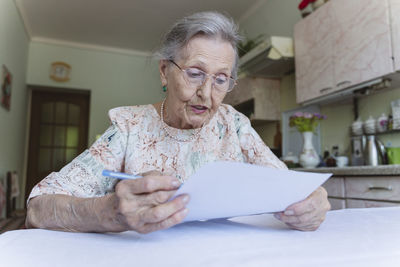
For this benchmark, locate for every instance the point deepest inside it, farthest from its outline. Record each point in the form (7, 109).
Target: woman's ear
(162, 66)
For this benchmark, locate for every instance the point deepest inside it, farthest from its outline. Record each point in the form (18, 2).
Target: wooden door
(363, 49)
(313, 40)
(58, 131)
(394, 6)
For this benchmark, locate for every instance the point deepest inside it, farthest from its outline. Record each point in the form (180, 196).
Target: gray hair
(210, 23)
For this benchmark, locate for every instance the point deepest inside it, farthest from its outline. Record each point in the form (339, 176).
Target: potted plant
(306, 123)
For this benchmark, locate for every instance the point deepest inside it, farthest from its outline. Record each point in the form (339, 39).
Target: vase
(308, 157)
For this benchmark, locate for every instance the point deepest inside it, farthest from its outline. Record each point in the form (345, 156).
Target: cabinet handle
(343, 83)
(325, 89)
(386, 188)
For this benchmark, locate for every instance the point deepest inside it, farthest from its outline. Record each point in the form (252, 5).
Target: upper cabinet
(395, 22)
(342, 44)
(314, 55)
(257, 98)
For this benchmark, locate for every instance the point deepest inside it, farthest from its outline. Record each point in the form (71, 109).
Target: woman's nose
(206, 88)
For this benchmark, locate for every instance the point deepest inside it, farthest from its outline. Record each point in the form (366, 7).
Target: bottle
(326, 154)
(335, 150)
(390, 122)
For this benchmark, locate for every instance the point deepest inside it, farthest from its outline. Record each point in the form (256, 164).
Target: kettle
(375, 152)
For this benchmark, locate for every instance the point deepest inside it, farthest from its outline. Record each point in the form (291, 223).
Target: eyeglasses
(196, 78)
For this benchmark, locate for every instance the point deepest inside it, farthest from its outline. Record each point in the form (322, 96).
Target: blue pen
(123, 176)
(120, 175)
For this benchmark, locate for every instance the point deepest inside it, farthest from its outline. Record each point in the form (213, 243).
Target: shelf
(380, 133)
(389, 132)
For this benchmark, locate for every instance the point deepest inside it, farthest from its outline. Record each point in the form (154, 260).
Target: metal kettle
(375, 152)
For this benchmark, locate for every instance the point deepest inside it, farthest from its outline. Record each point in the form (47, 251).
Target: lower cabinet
(363, 192)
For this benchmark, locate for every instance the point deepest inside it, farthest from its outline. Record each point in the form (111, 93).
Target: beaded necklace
(165, 127)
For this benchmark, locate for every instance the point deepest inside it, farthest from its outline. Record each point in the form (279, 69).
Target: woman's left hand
(307, 215)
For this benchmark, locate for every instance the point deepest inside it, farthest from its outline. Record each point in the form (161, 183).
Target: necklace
(165, 127)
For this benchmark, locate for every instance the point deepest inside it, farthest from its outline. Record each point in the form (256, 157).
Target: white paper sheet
(228, 189)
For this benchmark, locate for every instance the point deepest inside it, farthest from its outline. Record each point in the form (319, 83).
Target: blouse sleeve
(82, 177)
(253, 148)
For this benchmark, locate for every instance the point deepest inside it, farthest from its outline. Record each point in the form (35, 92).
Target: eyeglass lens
(197, 77)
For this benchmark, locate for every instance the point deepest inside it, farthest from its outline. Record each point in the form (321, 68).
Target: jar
(357, 127)
(369, 125)
(382, 123)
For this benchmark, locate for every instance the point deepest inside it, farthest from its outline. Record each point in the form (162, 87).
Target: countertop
(383, 170)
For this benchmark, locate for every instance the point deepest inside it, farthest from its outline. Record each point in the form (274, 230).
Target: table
(350, 237)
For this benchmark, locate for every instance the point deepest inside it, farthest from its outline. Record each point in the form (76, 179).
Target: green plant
(305, 121)
(248, 44)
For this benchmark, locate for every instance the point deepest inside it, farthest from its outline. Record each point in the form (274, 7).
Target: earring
(164, 88)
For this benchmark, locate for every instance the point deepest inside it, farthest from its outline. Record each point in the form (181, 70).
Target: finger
(300, 208)
(149, 184)
(172, 220)
(312, 202)
(306, 221)
(161, 212)
(156, 198)
(303, 227)
(154, 172)
(300, 220)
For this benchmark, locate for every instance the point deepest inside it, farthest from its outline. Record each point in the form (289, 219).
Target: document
(229, 189)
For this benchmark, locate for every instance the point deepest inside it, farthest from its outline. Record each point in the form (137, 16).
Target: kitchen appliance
(273, 57)
(357, 150)
(371, 151)
(374, 152)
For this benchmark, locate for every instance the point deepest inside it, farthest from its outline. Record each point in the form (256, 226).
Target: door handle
(323, 90)
(385, 188)
(343, 83)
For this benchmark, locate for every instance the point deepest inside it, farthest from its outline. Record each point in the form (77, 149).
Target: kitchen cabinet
(314, 55)
(257, 98)
(363, 191)
(395, 23)
(342, 44)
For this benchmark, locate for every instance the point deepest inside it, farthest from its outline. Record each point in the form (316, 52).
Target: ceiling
(129, 25)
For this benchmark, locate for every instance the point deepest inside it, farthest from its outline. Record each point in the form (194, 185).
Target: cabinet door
(337, 204)
(373, 188)
(395, 22)
(314, 55)
(335, 187)
(362, 49)
(356, 204)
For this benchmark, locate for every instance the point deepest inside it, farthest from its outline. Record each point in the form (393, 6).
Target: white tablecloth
(351, 237)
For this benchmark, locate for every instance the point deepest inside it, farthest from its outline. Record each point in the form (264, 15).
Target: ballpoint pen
(120, 175)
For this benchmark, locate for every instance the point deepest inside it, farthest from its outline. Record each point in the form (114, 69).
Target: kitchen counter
(384, 170)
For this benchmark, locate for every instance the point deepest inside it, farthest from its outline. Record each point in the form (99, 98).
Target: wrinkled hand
(142, 204)
(307, 215)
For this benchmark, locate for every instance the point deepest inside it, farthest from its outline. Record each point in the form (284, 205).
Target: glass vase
(308, 157)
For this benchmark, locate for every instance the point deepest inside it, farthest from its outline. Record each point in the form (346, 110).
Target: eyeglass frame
(208, 75)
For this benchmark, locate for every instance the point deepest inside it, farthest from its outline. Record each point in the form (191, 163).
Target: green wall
(113, 79)
(13, 54)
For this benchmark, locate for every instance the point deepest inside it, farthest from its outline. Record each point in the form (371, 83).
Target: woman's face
(189, 106)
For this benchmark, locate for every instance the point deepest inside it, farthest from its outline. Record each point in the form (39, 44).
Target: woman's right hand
(142, 204)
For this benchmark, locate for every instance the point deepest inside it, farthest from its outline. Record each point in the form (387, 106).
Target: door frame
(57, 90)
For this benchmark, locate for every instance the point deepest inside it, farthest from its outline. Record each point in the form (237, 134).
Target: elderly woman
(166, 142)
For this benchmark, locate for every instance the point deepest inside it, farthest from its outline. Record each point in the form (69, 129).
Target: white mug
(342, 161)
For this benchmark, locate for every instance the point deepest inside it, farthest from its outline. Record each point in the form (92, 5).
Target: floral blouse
(137, 142)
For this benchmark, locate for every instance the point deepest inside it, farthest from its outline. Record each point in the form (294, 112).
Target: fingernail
(289, 212)
(185, 199)
(175, 183)
(185, 211)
